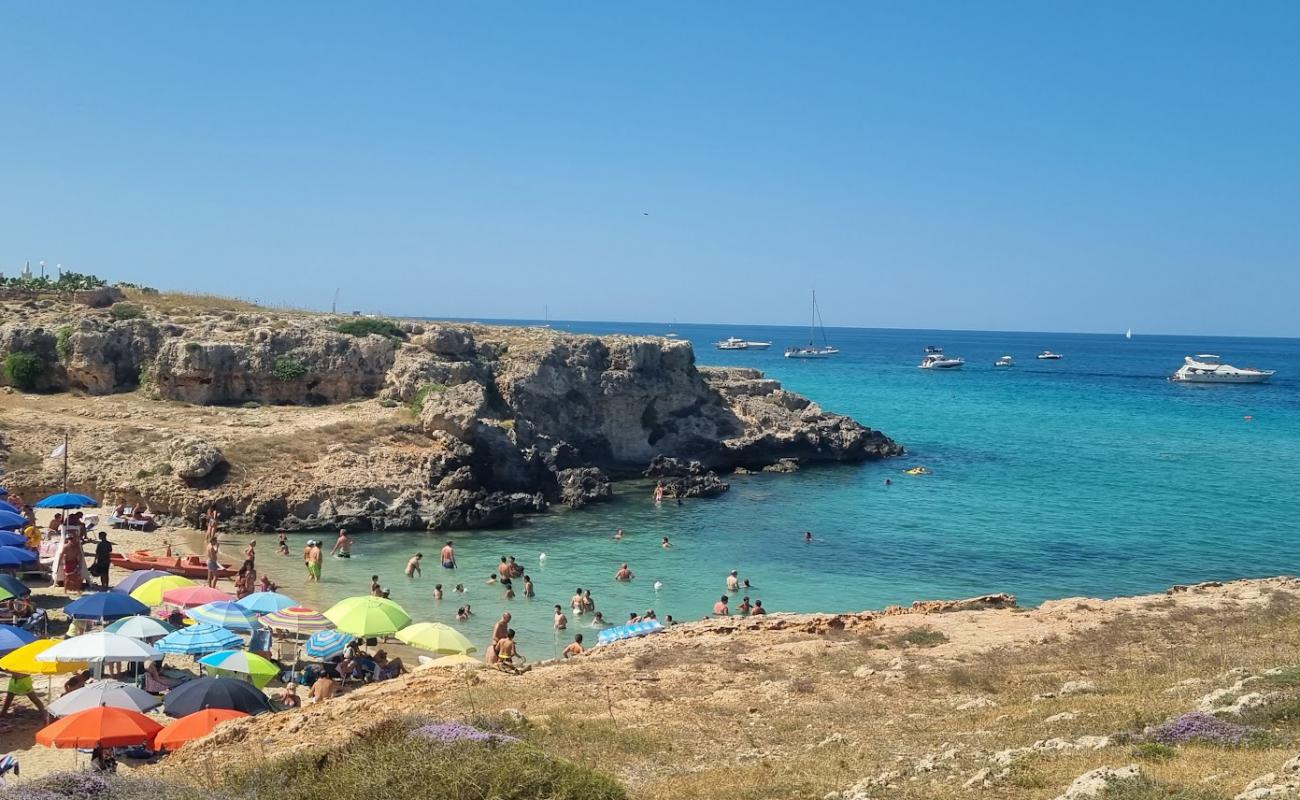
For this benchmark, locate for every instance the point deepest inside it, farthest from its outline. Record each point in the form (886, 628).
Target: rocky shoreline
(311, 422)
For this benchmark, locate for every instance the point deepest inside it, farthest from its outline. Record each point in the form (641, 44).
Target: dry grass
(178, 302)
(308, 445)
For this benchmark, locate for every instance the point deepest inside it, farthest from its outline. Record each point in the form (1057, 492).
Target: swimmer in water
(561, 621)
(528, 587)
(618, 535)
(667, 544)
(807, 536)
(413, 566)
(437, 591)
(623, 574)
(733, 582)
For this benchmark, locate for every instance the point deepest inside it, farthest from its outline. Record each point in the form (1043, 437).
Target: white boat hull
(1261, 377)
(944, 365)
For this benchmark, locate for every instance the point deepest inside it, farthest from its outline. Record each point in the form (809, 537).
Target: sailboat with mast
(812, 350)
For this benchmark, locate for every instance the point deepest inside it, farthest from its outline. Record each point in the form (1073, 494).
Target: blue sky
(1016, 166)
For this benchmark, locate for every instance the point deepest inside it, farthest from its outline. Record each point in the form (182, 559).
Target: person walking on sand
(343, 545)
(448, 556)
(103, 557)
(413, 566)
(213, 522)
(314, 562)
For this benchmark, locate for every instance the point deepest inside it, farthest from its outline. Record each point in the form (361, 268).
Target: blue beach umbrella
(223, 614)
(9, 520)
(137, 579)
(11, 557)
(67, 500)
(140, 627)
(266, 602)
(105, 605)
(327, 644)
(10, 539)
(7, 506)
(198, 639)
(4, 492)
(12, 638)
(14, 586)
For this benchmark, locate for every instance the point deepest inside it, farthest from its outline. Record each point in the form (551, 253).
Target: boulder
(1093, 783)
(455, 411)
(194, 458)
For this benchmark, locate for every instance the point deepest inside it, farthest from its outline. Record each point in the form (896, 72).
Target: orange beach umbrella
(193, 726)
(105, 726)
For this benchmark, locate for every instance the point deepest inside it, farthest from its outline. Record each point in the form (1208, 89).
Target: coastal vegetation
(417, 402)
(125, 311)
(24, 370)
(366, 326)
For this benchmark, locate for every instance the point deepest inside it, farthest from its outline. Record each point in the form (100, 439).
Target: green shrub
(141, 474)
(364, 326)
(387, 403)
(24, 370)
(63, 342)
(288, 368)
(1144, 788)
(125, 311)
(1154, 751)
(146, 375)
(923, 637)
(417, 402)
(507, 424)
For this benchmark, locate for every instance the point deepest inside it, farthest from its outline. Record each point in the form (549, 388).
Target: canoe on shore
(189, 566)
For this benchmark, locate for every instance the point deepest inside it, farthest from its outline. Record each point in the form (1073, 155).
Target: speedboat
(1207, 368)
(761, 345)
(935, 359)
(732, 343)
(1048, 355)
(1005, 361)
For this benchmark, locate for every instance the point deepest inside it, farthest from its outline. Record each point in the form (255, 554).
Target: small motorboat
(1005, 361)
(1207, 368)
(191, 566)
(1048, 355)
(935, 359)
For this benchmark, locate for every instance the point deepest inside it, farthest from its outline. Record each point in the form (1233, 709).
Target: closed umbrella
(266, 602)
(223, 614)
(215, 692)
(259, 670)
(436, 637)
(298, 620)
(101, 647)
(151, 591)
(11, 557)
(105, 605)
(191, 596)
(12, 638)
(67, 501)
(10, 520)
(104, 726)
(104, 693)
(5, 505)
(198, 639)
(14, 586)
(327, 644)
(139, 578)
(193, 726)
(140, 627)
(23, 660)
(11, 539)
(368, 616)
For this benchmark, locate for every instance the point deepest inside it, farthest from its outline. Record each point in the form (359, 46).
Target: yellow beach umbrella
(455, 660)
(151, 592)
(436, 637)
(365, 617)
(23, 660)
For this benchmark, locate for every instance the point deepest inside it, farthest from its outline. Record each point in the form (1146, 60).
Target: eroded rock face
(194, 458)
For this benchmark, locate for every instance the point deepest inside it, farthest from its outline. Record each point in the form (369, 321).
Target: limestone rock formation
(194, 458)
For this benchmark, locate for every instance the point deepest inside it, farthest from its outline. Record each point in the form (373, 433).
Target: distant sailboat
(1128, 334)
(812, 350)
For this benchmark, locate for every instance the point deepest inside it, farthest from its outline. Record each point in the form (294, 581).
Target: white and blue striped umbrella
(327, 644)
(140, 627)
(266, 602)
(629, 631)
(198, 639)
(223, 614)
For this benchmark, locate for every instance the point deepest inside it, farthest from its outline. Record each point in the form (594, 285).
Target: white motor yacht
(1048, 355)
(758, 345)
(1005, 361)
(935, 359)
(1207, 368)
(732, 343)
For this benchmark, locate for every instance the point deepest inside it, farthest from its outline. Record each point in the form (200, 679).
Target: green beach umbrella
(436, 638)
(255, 668)
(365, 617)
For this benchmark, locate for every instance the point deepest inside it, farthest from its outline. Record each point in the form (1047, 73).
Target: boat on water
(1207, 368)
(812, 350)
(1048, 355)
(1128, 334)
(1005, 361)
(189, 566)
(734, 343)
(935, 358)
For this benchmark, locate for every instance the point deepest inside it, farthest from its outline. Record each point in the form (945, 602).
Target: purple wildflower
(1197, 726)
(453, 732)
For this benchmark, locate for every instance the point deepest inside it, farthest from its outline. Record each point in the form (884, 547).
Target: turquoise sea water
(1091, 475)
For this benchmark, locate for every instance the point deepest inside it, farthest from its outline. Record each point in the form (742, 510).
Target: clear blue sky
(1024, 166)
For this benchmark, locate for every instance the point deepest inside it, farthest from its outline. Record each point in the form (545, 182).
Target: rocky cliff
(443, 425)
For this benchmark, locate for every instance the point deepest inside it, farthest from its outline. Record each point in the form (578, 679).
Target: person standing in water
(623, 574)
(314, 557)
(413, 566)
(282, 544)
(448, 556)
(343, 545)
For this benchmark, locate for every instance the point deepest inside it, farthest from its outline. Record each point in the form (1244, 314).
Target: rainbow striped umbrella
(297, 619)
(260, 671)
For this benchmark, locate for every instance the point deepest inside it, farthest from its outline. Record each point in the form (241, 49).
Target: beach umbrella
(191, 596)
(224, 614)
(298, 619)
(266, 602)
(105, 605)
(141, 627)
(435, 637)
(198, 639)
(368, 616)
(99, 646)
(5, 594)
(327, 644)
(16, 557)
(215, 692)
(12, 638)
(629, 631)
(151, 591)
(105, 726)
(193, 726)
(11, 519)
(454, 660)
(67, 500)
(7, 506)
(139, 578)
(4, 492)
(14, 586)
(11, 539)
(114, 694)
(23, 660)
(258, 669)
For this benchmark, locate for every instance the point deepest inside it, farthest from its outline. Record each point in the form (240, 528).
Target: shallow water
(1090, 475)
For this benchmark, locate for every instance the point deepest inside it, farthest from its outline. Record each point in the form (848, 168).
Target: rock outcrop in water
(472, 424)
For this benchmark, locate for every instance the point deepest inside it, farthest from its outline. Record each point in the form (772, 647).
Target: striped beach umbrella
(327, 644)
(258, 670)
(140, 627)
(266, 602)
(297, 620)
(198, 639)
(139, 578)
(223, 614)
(151, 591)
